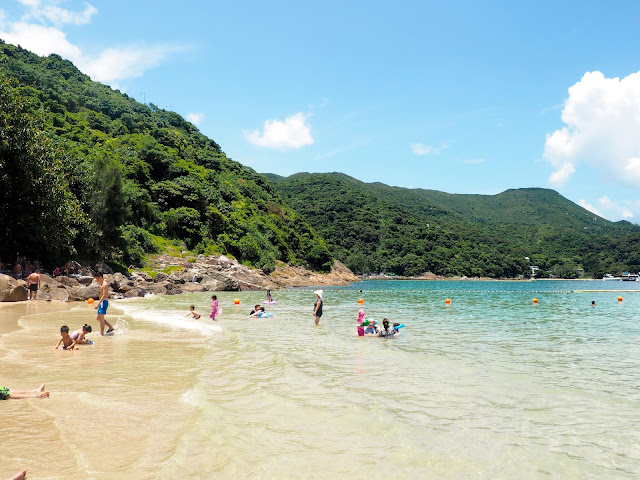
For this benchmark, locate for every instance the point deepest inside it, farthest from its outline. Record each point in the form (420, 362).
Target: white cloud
(474, 161)
(422, 149)
(602, 117)
(108, 66)
(114, 64)
(195, 118)
(293, 133)
(590, 207)
(41, 40)
(49, 10)
(613, 210)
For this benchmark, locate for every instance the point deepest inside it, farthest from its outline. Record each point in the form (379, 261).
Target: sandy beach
(487, 387)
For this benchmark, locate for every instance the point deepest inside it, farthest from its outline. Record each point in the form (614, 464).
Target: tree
(108, 204)
(40, 217)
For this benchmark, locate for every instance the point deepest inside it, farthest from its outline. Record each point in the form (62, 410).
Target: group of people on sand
(68, 342)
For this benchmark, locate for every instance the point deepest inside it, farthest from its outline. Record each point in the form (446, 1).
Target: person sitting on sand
(65, 339)
(192, 311)
(6, 394)
(79, 336)
(17, 271)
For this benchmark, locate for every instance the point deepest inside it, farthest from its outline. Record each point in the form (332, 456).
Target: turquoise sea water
(491, 386)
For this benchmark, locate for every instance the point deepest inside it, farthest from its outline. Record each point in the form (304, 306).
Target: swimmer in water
(269, 297)
(371, 329)
(387, 330)
(192, 312)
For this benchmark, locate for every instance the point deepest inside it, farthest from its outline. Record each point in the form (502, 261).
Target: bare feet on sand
(19, 476)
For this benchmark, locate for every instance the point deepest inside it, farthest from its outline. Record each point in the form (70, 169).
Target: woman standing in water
(317, 307)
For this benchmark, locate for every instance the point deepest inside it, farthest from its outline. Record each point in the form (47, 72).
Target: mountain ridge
(500, 231)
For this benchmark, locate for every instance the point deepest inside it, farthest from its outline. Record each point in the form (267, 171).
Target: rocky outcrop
(85, 293)
(12, 290)
(211, 273)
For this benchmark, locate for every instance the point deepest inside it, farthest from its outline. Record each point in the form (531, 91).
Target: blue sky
(457, 96)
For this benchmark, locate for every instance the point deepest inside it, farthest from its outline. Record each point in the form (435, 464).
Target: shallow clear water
(491, 386)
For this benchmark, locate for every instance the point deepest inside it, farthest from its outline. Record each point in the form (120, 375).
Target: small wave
(190, 397)
(143, 312)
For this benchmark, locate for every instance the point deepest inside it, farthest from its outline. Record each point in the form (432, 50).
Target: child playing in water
(39, 392)
(65, 339)
(79, 335)
(371, 329)
(269, 297)
(214, 307)
(360, 320)
(193, 312)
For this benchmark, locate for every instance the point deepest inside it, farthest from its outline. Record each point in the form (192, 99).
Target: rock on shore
(199, 274)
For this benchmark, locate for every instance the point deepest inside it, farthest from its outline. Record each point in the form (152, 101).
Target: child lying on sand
(39, 392)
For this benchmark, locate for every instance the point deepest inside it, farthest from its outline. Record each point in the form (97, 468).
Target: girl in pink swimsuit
(214, 307)
(360, 320)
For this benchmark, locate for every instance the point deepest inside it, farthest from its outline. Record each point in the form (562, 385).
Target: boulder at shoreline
(175, 275)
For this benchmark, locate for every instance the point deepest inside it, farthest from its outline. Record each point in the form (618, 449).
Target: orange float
(360, 301)
(90, 301)
(619, 299)
(236, 301)
(535, 300)
(448, 301)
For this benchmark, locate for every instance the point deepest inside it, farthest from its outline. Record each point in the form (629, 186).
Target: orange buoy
(360, 301)
(619, 299)
(448, 301)
(90, 301)
(535, 300)
(236, 301)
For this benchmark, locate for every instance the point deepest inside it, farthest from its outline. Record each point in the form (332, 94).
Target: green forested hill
(373, 227)
(86, 171)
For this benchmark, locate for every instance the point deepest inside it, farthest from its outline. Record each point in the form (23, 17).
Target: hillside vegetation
(372, 227)
(88, 172)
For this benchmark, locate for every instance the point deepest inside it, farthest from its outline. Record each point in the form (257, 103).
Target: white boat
(608, 277)
(629, 277)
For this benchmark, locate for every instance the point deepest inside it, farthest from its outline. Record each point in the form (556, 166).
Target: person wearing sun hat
(317, 307)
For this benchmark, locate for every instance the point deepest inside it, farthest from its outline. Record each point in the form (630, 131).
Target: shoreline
(475, 279)
(167, 275)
